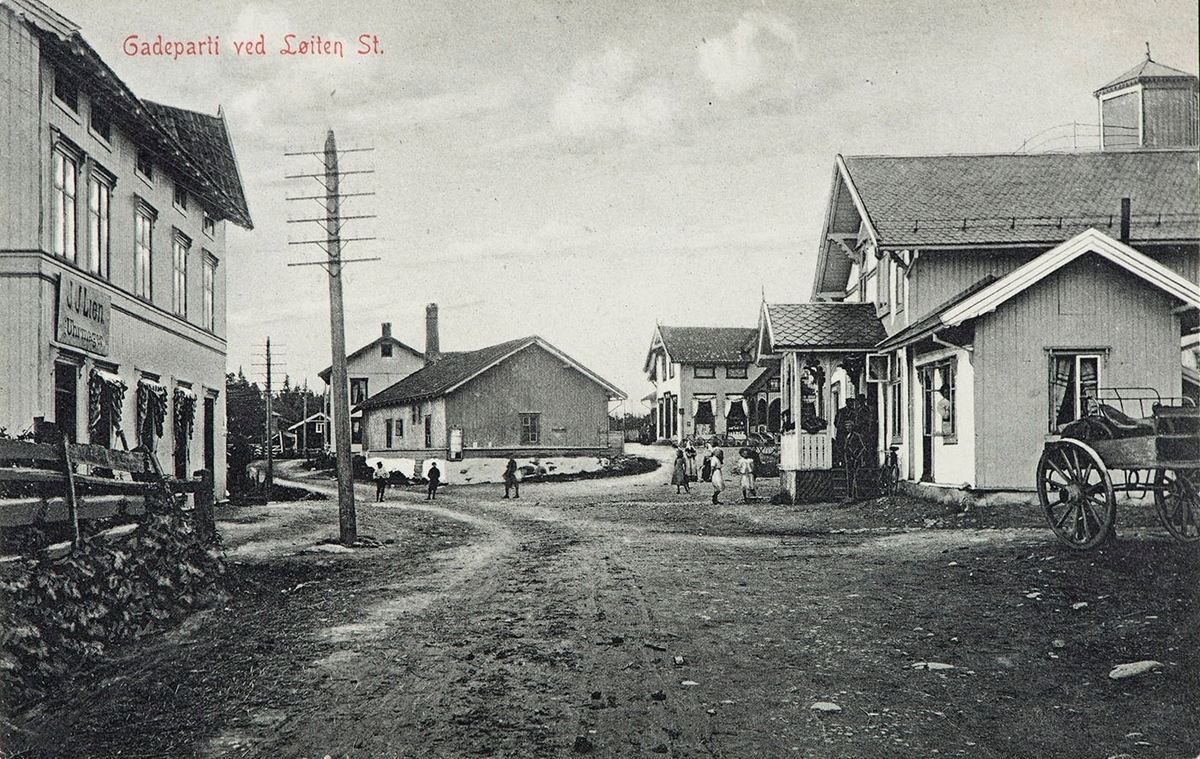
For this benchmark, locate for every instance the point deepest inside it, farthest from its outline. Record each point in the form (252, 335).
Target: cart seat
(1123, 425)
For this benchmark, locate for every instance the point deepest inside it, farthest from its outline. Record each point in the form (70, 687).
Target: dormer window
(66, 91)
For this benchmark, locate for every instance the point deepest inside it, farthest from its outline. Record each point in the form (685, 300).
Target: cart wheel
(1177, 498)
(1076, 493)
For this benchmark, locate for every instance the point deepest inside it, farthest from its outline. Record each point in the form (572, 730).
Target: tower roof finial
(1148, 52)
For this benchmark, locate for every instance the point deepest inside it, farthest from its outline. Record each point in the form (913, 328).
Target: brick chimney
(387, 329)
(432, 348)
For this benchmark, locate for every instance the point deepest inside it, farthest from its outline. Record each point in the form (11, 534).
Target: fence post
(72, 506)
(206, 526)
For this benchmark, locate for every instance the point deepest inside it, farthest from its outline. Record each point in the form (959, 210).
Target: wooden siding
(19, 126)
(939, 275)
(573, 408)
(1170, 117)
(1120, 313)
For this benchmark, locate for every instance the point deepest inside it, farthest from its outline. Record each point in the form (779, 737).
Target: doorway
(210, 436)
(926, 375)
(66, 389)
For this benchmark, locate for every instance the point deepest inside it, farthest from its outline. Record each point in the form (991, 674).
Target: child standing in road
(381, 481)
(511, 480)
(717, 477)
(435, 479)
(745, 468)
(679, 474)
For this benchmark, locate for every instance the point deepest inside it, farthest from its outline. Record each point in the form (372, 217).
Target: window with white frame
(897, 407)
(143, 234)
(99, 221)
(210, 293)
(947, 400)
(531, 429)
(66, 177)
(181, 245)
(1074, 384)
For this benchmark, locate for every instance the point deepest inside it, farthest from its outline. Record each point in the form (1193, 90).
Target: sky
(584, 171)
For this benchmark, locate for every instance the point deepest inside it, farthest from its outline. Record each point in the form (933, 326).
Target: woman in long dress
(717, 478)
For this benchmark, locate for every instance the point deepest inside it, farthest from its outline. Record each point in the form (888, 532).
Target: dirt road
(615, 618)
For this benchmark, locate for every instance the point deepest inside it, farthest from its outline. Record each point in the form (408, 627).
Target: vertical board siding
(939, 275)
(19, 125)
(488, 408)
(1170, 117)
(1130, 318)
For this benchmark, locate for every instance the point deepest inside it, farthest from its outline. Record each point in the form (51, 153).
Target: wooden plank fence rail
(101, 496)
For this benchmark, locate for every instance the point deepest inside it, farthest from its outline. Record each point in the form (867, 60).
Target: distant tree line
(246, 419)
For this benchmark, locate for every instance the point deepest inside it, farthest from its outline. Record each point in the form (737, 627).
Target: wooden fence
(103, 496)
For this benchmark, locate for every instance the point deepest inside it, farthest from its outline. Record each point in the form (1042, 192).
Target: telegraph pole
(270, 442)
(333, 263)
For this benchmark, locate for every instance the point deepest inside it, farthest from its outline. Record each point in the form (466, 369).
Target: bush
(57, 614)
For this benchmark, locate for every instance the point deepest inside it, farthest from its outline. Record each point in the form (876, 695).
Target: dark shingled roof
(1147, 70)
(1039, 198)
(709, 345)
(206, 140)
(815, 326)
(452, 369)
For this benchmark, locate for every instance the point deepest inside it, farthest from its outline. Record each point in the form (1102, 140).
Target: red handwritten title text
(157, 46)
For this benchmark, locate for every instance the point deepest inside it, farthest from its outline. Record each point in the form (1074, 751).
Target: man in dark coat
(435, 479)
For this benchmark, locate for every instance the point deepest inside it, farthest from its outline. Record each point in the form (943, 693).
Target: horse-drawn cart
(1157, 452)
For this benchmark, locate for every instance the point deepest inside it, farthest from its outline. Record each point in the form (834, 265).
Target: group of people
(853, 446)
(711, 469)
(382, 478)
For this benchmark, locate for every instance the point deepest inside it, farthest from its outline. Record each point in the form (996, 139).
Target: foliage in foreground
(56, 614)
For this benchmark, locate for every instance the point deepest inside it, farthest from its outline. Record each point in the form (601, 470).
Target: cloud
(759, 50)
(611, 94)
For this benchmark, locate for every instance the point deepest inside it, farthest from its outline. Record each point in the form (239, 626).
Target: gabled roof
(1040, 198)
(1147, 71)
(760, 383)
(454, 370)
(1009, 200)
(990, 293)
(320, 416)
(819, 326)
(704, 345)
(1091, 241)
(325, 373)
(206, 139)
(211, 175)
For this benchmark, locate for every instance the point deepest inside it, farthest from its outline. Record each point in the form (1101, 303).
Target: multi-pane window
(210, 278)
(210, 225)
(947, 402)
(387, 433)
(66, 174)
(531, 429)
(181, 197)
(143, 233)
(1074, 384)
(705, 372)
(180, 247)
(358, 390)
(735, 372)
(99, 207)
